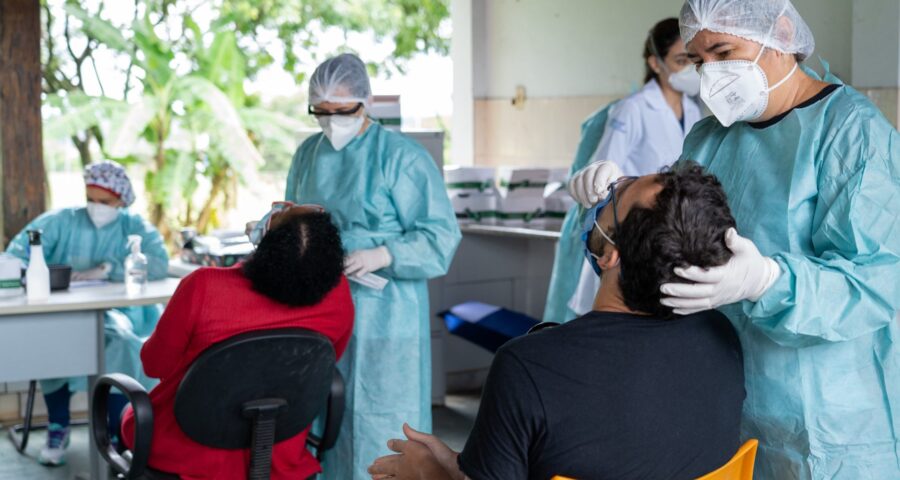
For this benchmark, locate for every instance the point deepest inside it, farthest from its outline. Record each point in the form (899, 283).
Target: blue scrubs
(819, 191)
(382, 189)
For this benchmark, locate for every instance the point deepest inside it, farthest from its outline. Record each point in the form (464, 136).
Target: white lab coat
(642, 133)
(642, 136)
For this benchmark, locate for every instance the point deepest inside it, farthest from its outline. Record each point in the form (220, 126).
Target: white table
(63, 336)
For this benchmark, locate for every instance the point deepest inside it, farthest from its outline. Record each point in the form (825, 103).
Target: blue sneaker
(54, 451)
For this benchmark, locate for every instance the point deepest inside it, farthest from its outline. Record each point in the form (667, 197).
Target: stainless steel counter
(501, 231)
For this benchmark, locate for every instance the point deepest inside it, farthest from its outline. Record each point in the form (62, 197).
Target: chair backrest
(740, 467)
(294, 365)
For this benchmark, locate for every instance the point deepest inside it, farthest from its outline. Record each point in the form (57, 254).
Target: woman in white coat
(641, 134)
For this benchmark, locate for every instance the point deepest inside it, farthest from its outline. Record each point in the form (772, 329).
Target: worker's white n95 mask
(687, 81)
(101, 215)
(340, 129)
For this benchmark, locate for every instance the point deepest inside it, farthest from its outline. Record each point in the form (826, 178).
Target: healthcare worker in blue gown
(388, 199)
(812, 172)
(93, 240)
(639, 134)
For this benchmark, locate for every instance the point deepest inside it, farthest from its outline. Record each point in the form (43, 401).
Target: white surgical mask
(687, 81)
(341, 129)
(101, 215)
(737, 90)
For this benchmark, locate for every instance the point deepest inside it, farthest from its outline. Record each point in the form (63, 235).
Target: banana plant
(191, 121)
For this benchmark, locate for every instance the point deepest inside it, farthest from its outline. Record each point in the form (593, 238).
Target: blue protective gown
(382, 189)
(569, 249)
(818, 191)
(70, 238)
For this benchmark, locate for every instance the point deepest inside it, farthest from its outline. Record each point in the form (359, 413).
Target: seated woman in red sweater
(294, 279)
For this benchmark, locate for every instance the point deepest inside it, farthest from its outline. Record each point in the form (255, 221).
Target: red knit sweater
(211, 305)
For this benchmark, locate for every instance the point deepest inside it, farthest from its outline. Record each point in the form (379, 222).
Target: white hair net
(752, 20)
(340, 79)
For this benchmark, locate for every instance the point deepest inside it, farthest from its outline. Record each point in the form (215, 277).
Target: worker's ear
(610, 258)
(653, 62)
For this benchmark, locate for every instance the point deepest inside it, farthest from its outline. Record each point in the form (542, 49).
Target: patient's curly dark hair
(686, 226)
(298, 262)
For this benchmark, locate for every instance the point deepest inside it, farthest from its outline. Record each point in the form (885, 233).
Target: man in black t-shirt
(627, 391)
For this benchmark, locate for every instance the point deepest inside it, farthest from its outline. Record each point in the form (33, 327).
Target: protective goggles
(325, 113)
(590, 222)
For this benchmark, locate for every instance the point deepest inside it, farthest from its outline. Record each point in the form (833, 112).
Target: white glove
(591, 184)
(362, 262)
(746, 276)
(97, 273)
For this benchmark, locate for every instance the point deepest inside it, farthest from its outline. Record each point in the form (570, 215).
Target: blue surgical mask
(590, 222)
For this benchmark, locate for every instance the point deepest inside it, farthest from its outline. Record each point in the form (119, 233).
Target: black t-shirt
(611, 396)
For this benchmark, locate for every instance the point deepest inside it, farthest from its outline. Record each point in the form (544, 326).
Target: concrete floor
(452, 423)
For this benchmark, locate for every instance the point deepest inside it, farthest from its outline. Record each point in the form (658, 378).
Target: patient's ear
(609, 259)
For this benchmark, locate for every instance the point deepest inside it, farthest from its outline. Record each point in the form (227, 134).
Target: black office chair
(250, 391)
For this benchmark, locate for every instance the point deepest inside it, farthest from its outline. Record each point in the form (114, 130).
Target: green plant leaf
(126, 131)
(228, 131)
(100, 29)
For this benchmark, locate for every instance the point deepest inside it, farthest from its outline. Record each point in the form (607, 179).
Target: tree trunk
(21, 152)
(84, 149)
(218, 185)
(157, 212)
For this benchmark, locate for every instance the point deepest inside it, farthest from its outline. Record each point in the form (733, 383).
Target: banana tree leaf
(227, 132)
(76, 118)
(225, 65)
(100, 29)
(167, 186)
(125, 132)
(154, 54)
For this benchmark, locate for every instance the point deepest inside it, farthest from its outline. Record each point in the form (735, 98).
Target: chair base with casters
(18, 434)
(266, 405)
(740, 467)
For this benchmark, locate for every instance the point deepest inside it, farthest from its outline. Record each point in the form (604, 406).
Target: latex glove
(362, 262)
(746, 276)
(591, 184)
(97, 273)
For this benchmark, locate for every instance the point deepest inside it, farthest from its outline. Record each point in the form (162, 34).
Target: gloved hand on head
(746, 276)
(362, 262)
(591, 184)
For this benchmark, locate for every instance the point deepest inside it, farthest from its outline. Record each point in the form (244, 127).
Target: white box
(475, 208)
(469, 179)
(522, 182)
(556, 206)
(519, 211)
(386, 110)
(556, 180)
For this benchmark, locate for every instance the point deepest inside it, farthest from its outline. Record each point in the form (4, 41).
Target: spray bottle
(37, 276)
(135, 268)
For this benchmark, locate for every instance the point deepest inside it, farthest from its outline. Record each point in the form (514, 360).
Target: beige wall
(574, 57)
(544, 133)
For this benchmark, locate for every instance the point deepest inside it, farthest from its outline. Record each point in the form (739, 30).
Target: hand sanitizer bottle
(37, 275)
(135, 268)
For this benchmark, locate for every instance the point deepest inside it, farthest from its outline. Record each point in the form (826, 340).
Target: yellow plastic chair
(740, 467)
